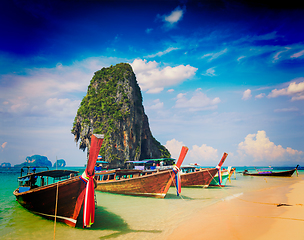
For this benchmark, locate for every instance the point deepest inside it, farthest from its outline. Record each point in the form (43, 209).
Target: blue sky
(216, 76)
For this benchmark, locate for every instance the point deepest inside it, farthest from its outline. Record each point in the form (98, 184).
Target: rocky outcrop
(5, 164)
(36, 161)
(59, 163)
(113, 107)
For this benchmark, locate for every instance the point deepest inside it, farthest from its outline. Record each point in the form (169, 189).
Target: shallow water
(125, 217)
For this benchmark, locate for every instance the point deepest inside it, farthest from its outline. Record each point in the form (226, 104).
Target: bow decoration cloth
(88, 178)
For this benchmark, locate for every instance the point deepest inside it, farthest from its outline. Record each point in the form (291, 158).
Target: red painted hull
(42, 200)
(200, 178)
(152, 185)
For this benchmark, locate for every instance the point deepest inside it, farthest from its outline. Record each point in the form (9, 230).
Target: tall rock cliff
(113, 107)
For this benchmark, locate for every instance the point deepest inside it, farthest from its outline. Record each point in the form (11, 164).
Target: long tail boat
(192, 176)
(222, 175)
(139, 182)
(62, 198)
(270, 173)
(221, 182)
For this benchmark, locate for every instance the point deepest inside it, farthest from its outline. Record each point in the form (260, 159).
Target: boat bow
(219, 166)
(88, 178)
(176, 169)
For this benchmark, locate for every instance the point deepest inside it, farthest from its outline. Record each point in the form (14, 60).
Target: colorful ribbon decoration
(89, 201)
(219, 175)
(88, 178)
(177, 180)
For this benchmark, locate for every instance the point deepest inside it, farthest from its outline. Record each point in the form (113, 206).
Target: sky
(216, 76)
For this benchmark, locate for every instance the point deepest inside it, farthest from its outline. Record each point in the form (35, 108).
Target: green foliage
(106, 101)
(164, 151)
(107, 104)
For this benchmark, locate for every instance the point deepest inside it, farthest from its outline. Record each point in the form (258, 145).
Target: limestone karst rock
(36, 161)
(59, 163)
(113, 107)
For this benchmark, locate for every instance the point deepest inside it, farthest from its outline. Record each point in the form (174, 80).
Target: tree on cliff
(113, 107)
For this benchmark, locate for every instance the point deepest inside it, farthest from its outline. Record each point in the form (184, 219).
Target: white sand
(249, 216)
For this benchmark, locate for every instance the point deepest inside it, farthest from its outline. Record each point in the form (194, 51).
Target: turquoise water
(125, 217)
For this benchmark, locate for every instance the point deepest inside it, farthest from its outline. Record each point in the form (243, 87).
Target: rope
(56, 211)
(175, 185)
(215, 179)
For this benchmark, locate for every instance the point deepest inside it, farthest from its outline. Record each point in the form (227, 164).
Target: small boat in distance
(62, 198)
(269, 173)
(137, 182)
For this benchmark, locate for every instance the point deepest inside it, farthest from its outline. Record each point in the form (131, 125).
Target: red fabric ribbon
(89, 201)
(219, 176)
(177, 180)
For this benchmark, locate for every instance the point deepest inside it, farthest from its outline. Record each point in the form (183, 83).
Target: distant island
(35, 160)
(5, 164)
(59, 163)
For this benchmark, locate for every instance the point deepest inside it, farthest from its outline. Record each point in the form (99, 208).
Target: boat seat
(23, 189)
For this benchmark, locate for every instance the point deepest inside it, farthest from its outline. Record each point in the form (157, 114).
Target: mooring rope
(56, 211)
(213, 177)
(172, 177)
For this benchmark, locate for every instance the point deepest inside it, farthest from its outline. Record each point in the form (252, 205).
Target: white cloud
(4, 145)
(63, 105)
(174, 147)
(247, 94)
(159, 54)
(277, 55)
(292, 109)
(295, 90)
(210, 72)
(170, 90)
(298, 54)
(198, 102)
(261, 95)
(171, 19)
(215, 55)
(175, 16)
(48, 91)
(203, 154)
(157, 105)
(241, 57)
(261, 149)
(252, 38)
(153, 79)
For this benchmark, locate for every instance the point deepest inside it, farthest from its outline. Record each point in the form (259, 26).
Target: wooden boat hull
(42, 200)
(153, 185)
(201, 178)
(215, 180)
(287, 173)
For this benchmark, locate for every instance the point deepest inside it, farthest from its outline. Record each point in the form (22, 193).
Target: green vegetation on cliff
(113, 107)
(102, 101)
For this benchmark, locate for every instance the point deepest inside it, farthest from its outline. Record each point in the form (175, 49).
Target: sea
(126, 217)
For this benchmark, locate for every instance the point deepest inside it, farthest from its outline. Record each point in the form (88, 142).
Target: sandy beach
(270, 213)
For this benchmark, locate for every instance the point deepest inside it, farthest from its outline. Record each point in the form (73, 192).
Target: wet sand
(270, 213)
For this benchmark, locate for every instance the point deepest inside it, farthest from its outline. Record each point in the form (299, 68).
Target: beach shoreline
(269, 213)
